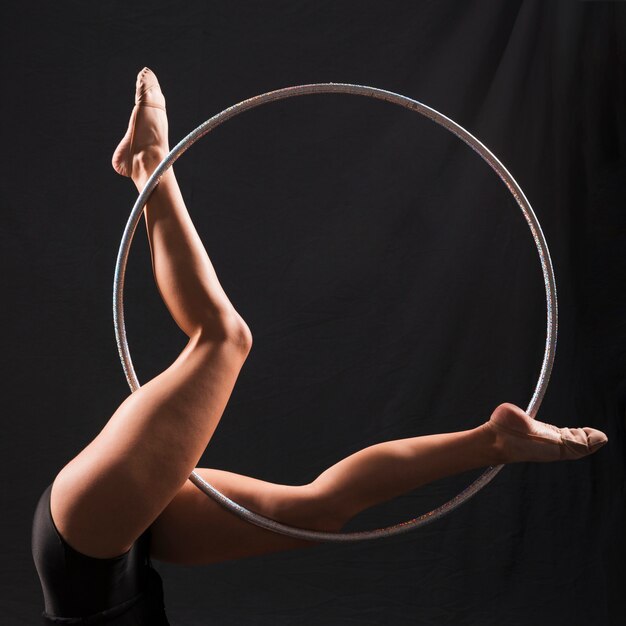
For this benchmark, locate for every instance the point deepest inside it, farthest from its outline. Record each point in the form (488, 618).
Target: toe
(595, 438)
(147, 88)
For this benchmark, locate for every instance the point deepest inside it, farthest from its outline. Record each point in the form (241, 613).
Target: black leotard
(124, 590)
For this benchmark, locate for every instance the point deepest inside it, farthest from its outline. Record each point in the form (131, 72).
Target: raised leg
(112, 491)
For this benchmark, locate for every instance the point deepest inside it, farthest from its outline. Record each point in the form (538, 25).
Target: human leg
(183, 271)
(105, 497)
(194, 529)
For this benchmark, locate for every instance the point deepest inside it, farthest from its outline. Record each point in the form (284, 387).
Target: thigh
(193, 529)
(114, 489)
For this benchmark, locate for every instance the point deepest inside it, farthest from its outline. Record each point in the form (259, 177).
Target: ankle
(491, 444)
(144, 163)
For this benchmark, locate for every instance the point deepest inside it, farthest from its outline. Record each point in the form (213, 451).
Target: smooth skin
(134, 474)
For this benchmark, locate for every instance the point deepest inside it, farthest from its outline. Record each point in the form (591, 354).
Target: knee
(227, 327)
(238, 332)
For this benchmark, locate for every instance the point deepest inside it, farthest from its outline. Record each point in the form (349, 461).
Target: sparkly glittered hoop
(472, 142)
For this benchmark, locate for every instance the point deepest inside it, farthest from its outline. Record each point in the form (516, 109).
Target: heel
(121, 160)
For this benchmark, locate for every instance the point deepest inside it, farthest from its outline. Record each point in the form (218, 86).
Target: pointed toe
(595, 438)
(527, 439)
(154, 135)
(148, 90)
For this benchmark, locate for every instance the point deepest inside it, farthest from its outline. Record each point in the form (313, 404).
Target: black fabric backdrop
(390, 282)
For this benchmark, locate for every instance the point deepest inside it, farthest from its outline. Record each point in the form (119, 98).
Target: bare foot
(519, 438)
(145, 143)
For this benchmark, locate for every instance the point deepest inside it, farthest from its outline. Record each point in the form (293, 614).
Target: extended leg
(113, 490)
(194, 529)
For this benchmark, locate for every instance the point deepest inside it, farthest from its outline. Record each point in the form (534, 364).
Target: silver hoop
(388, 96)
